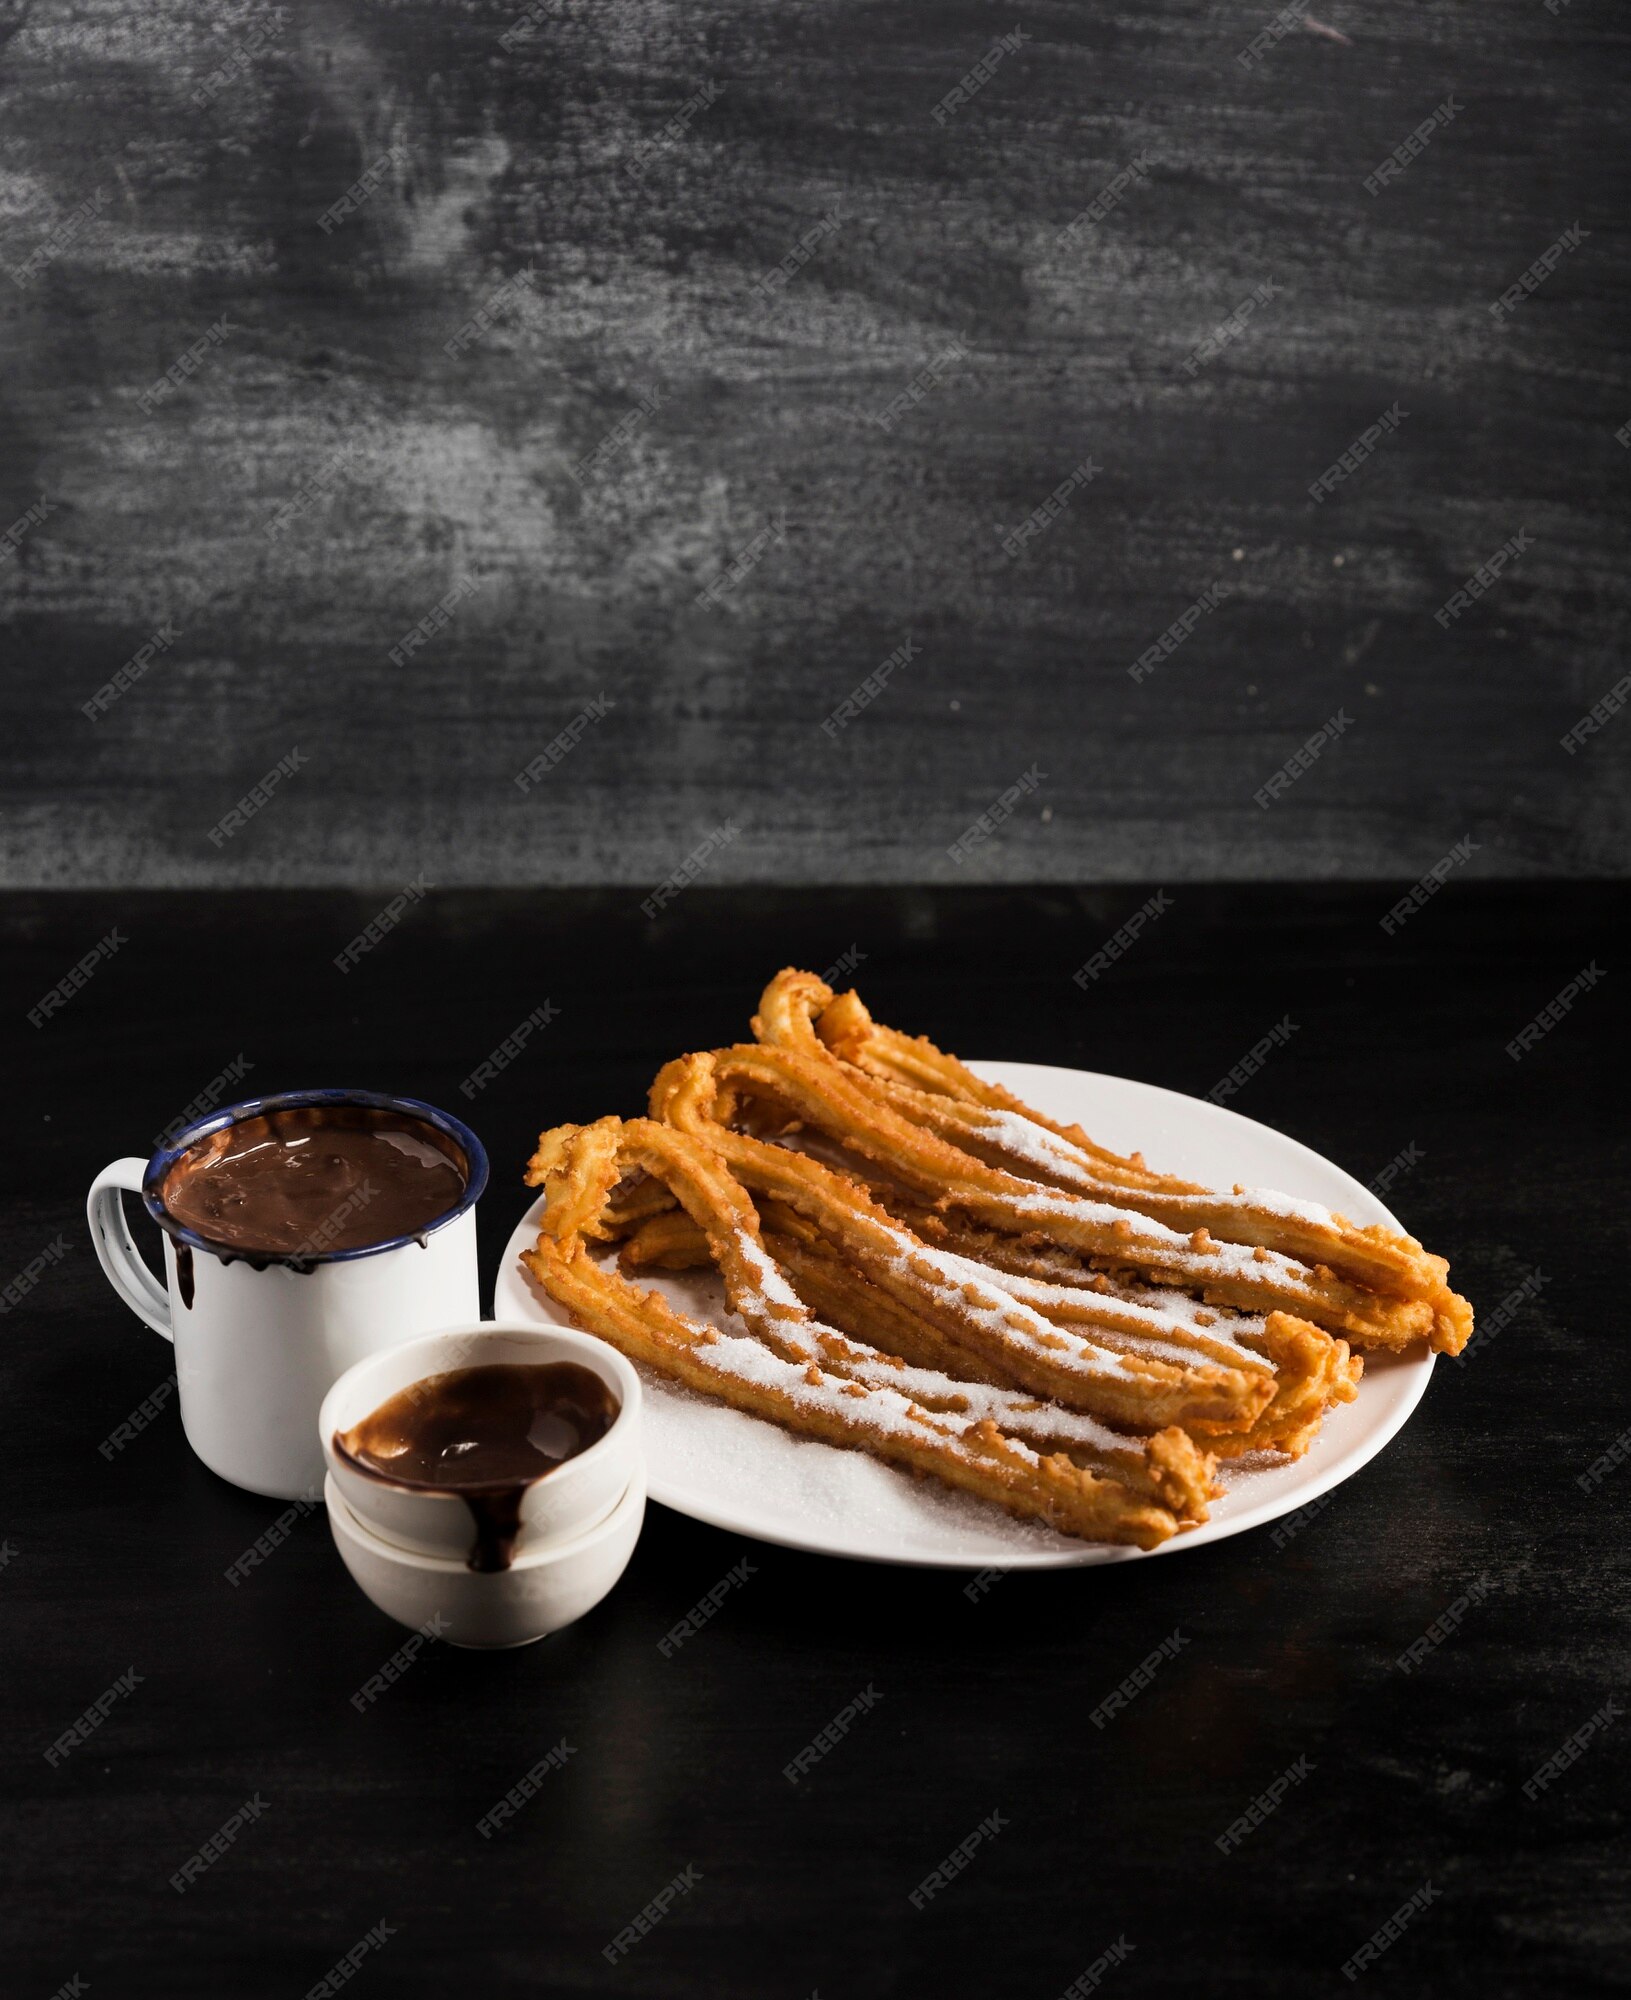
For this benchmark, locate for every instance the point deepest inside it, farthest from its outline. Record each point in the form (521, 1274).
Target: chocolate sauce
(485, 1433)
(293, 1184)
(184, 1274)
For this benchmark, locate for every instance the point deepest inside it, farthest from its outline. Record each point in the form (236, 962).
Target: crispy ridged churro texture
(929, 1270)
(810, 1378)
(962, 1302)
(902, 1351)
(841, 1106)
(995, 1157)
(1311, 1370)
(1020, 1329)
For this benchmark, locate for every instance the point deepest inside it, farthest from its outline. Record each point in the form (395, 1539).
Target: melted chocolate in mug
(485, 1433)
(291, 1184)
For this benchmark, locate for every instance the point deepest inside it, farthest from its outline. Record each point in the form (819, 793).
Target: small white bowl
(535, 1596)
(555, 1508)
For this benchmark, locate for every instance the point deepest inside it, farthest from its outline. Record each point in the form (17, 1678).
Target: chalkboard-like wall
(575, 442)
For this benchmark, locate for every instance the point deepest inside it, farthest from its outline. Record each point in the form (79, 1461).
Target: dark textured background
(514, 159)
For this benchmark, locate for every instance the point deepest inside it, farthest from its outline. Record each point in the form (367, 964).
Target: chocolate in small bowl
(484, 1433)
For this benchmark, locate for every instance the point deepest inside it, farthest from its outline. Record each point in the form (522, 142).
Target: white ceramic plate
(739, 1473)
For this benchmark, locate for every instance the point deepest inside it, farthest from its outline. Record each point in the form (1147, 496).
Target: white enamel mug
(260, 1341)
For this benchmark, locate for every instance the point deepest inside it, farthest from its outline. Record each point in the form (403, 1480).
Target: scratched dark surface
(117, 1562)
(630, 172)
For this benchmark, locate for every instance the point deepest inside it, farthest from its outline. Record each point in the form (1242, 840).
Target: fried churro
(823, 1095)
(812, 1379)
(963, 1302)
(994, 1129)
(919, 1265)
(903, 1351)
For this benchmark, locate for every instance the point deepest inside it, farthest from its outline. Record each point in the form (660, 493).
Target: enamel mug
(260, 1341)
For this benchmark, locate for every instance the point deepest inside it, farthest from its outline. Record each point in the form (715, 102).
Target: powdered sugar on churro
(737, 1353)
(741, 1358)
(872, 1405)
(1185, 1313)
(1024, 1139)
(1012, 1411)
(1217, 1261)
(969, 1289)
(699, 1445)
(944, 1397)
(773, 1288)
(1171, 1329)
(1274, 1203)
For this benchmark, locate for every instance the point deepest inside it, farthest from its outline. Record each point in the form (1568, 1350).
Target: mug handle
(126, 1268)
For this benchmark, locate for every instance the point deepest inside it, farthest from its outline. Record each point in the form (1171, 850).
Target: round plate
(740, 1473)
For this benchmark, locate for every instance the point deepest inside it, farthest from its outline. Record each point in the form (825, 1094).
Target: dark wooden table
(114, 1563)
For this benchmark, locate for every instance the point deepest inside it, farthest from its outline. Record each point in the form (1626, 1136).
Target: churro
(924, 1086)
(964, 1302)
(811, 1379)
(919, 1265)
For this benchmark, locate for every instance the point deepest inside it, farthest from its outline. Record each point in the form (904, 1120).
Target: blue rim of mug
(290, 1100)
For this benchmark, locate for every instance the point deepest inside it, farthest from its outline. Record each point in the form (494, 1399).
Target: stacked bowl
(414, 1548)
